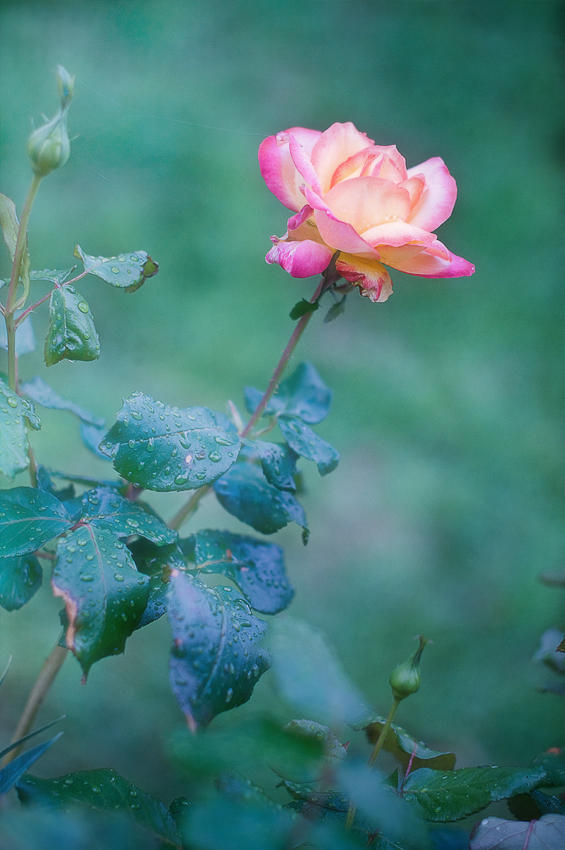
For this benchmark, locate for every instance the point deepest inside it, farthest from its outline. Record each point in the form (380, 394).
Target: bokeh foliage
(449, 499)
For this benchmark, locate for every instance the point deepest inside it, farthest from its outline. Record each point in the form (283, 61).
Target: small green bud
(49, 147)
(405, 679)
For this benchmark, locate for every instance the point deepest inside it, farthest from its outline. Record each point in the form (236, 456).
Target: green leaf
(245, 746)
(10, 774)
(103, 508)
(103, 790)
(15, 414)
(310, 729)
(303, 394)
(306, 443)
(92, 436)
(405, 748)
(105, 596)
(309, 676)
(25, 337)
(20, 579)
(303, 308)
(127, 271)
(10, 227)
(278, 462)
(165, 448)
(553, 762)
(335, 310)
(246, 494)
(41, 393)
(71, 334)
(547, 833)
(216, 658)
(255, 566)
(28, 519)
(449, 796)
(55, 276)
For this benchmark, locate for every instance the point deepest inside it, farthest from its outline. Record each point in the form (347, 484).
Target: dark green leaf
(156, 562)
(249, 744)
(164, 448)
(255, 566)
(64, 494)
(303, 394)
(71, 334)
(102, 508)
(245, 492)
(43, 394)
(104, 790)
(20, 578)
(10, 774)
(127, 271)
(405, 748)
(20, 741)
(15, 413)
(25, 337)
(310, 729)
(302, 308)
(56, 276)
(309, 676)
(306, 443)
(104, 595)
(547, 805)
(449, 796)
(547, 833)
(28, 519)
(216, 658)
(278, 462)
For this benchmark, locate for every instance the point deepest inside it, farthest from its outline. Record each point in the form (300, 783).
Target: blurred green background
(449, 498)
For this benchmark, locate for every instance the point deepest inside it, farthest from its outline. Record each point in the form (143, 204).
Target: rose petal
(342, 236)
(335, 145)
(397, 233)
(391, 164)
(434, 261)
(296, 220)
(278, 169)
(301, 159)
(364, 202)
(300, 259)
(361, 163)
(371, 277)
(438, 198)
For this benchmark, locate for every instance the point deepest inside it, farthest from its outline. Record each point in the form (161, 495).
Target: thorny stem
(188, 509)
(51, 667)
(373, 757)
(12, 292)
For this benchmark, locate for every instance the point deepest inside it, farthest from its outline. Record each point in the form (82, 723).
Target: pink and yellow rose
(358, 199)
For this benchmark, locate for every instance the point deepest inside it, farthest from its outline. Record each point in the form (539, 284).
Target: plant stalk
(373, 757)
(51, 667)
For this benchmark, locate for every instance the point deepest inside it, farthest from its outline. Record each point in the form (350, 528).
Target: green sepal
(103, 790)
(246, 494)
(71, 334)
(127, 271)
(216, 658)
(278, 462)
(166, 448)
(105, 596)
(251, 742)
(20, 579)
(302, 394)
(255, 566)
(29, 518)
(306, 443)
(15, 414)
(41, 393)
(103, 508)
(405, 748)
(303, 308)
(450, 796)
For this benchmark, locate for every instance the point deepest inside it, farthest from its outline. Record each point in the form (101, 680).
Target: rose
(356, 199)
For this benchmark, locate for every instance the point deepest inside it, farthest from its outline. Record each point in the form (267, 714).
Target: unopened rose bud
(49, 147)
(405, 679)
